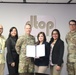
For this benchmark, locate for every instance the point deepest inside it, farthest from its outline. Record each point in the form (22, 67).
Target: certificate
(35, 50)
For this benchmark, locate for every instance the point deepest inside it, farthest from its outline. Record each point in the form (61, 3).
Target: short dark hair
(43, 35)
(72, 21)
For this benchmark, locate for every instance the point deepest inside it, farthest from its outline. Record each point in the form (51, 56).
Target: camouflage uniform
(2, 54)
(71, 57)
(25, 63)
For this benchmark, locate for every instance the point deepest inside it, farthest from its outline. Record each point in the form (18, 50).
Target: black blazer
(12, 55)
(57, 53)
(44, 61)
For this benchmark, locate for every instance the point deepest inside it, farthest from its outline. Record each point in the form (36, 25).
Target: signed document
(35, 50)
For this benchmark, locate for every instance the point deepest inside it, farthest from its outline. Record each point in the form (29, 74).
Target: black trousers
(13, 70)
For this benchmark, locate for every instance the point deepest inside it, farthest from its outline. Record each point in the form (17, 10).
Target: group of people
(18, 62)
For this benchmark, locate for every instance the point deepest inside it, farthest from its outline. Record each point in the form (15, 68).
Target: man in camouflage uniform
(71, 42)
(25, 63)
(2, 51)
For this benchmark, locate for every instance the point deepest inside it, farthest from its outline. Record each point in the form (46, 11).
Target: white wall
(15, 15)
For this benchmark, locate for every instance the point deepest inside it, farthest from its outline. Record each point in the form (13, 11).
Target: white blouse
(52, 45)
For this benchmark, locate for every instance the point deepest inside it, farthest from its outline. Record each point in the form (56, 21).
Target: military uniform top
(21, 44)
(71, 42)
(2, 49)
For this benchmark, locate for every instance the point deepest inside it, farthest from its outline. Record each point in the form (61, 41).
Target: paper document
(35, 50)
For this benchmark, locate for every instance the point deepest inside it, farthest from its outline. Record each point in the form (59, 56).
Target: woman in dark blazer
(12, 57)
(42, 63)
(56, 53)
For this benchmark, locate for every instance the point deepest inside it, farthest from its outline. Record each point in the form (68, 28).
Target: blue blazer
(44, 61)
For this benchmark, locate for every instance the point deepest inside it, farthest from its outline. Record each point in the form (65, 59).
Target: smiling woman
(56, 53)
(12, 56)
(41, 63)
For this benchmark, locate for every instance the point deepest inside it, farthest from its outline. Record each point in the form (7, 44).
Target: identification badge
(0, 51)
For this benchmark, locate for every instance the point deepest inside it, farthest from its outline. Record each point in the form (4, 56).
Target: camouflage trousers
(71, 68)
(26, 67)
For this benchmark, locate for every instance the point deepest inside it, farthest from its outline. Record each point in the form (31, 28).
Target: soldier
(71, 42)
(25, 63)
(2, 51)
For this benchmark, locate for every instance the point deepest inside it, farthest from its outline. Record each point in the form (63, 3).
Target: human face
(13, 32)
(55, 35)
(72, 26)
(28, 29)
(41, 38)
(1, 29)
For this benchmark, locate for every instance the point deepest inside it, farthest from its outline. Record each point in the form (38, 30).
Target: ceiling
(40, 1)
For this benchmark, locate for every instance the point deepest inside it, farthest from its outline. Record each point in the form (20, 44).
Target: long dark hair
(51, 40)
(11, 31)
(43, 35)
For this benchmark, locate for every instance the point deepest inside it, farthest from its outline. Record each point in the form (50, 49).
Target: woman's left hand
(13, 64)
(58, 68)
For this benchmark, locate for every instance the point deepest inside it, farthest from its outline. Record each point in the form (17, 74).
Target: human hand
(58, 68)
(13, 64)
